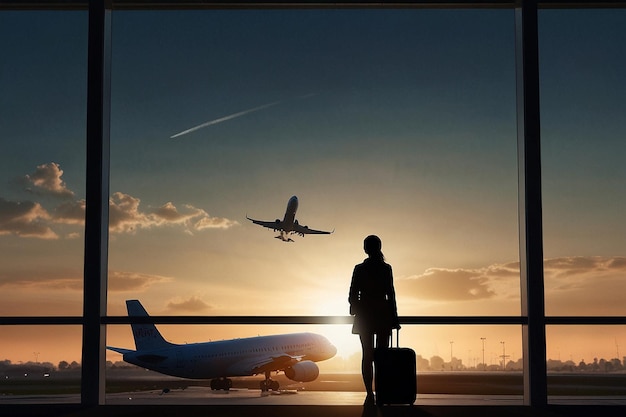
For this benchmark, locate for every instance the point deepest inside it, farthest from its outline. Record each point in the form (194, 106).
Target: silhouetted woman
(373, 303)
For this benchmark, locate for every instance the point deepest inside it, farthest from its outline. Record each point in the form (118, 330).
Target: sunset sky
(399, 123)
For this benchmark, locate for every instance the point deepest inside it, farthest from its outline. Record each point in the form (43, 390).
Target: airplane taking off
(294, 353)
(289, 224)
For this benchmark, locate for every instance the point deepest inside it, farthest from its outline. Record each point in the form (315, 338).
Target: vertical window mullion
(97, 203)
(530, 206)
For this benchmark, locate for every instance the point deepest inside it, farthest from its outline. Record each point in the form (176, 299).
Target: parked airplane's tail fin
(146, 335)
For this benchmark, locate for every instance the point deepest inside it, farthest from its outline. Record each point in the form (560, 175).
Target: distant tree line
(435, 363)
(30, 367)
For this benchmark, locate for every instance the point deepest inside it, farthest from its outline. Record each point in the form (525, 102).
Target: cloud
(58, 284)
(25, 219)
(71, 212)
(582, 272)
(125, 216)
(585, 285)
(570, 270)
(60, 280)
(191, 305)
(31, 219)
(208, 222)
(577, 285)
(193, 218)
(451, 284)
(50, 280)
(47, 179)
(121, 281)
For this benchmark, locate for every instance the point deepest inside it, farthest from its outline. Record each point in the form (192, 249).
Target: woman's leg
(367, 362)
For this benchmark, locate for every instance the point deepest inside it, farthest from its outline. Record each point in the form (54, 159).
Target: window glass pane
(449, 360)
(36, 368)
(586, 362)
(399, 123)
(43, 80)
(583, 99)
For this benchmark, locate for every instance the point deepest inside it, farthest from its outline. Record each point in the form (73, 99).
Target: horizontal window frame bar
(308, 320)
(311, 320)
(304, 4)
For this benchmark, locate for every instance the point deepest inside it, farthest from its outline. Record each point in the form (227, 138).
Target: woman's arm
(392, 301)
(353, 296)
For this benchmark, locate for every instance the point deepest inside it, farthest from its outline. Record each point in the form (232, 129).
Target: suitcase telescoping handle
(397, 338)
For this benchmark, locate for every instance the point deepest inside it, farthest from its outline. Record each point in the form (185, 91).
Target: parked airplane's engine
(304, 371)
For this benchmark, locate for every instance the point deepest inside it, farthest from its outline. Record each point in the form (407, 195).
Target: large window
(583, 90)
(583, 96)
(43, 76)
(398, 122)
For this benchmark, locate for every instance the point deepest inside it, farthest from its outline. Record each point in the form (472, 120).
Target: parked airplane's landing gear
(221, 383)
(269, 384)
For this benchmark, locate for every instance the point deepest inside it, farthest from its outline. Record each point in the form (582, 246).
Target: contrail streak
(225, 118)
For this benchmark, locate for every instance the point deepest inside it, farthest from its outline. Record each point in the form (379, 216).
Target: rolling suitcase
(395, 375)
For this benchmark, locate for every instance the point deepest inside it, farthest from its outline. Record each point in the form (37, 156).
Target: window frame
(94, 320)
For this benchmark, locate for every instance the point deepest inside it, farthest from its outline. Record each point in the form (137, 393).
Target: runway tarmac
(202, 395)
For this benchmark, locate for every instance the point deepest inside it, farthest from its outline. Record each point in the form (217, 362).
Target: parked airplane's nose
(329, 348)
(325, 349)
(332, 350)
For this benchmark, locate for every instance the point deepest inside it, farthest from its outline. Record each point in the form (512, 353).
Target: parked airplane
(295, 354)
(289, 224)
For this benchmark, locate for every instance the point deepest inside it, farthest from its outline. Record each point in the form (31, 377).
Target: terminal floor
(196, 403)
(313, 411)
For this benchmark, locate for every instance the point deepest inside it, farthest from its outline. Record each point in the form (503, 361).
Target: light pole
(451, 343)
(503, 357)
(484, 364)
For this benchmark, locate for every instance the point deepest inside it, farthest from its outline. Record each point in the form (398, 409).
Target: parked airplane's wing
(303, 230)
(261, 364)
